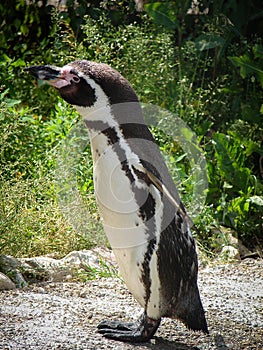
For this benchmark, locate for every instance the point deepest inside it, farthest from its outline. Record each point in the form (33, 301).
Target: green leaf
(247, 67)
(226, 185)
(248, 146)
(5, 58)
(24, 29)
(238, 208)
(258, 200)
(230, 159)
(159, 11)
(209, 41)
(258, 51)
(11, 102)
(19, 63)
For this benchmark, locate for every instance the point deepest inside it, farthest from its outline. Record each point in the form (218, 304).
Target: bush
(31, 219)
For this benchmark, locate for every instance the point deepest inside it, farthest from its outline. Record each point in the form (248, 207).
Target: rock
(230, 253)
(82, 257)
(6, 283)
(243, 250)
(8, 262)
(11, 266)
(236, 243)
(228, 237)
(43, 268)
(58, 270)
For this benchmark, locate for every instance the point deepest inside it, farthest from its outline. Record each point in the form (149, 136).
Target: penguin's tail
(196, 322)
(191, 312)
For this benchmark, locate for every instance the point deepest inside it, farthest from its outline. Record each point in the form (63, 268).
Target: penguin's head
(85, 83)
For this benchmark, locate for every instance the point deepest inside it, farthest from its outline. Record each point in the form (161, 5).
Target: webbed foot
(142, 331)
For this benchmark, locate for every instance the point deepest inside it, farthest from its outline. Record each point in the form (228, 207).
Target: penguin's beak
(47, 73)
(52, 75)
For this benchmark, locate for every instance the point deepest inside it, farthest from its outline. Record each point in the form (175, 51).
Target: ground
(65, 315)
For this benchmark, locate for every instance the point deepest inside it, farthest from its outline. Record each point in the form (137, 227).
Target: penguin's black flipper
(139, 332)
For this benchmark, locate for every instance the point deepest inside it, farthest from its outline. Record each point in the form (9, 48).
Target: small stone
(41, 290)
(83, 294)
(6, 283)
(69, 277)
(89, 315)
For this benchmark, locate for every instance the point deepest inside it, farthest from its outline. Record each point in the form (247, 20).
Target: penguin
(142, 214)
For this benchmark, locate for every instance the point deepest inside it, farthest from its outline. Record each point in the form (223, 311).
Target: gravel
(65, 315)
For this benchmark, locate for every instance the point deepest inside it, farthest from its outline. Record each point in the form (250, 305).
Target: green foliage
(203, 65)
(162, 14)
(21, 25)
(31, 220)
(250, 66)
(88, 273)
(230, 155)
(29, 138)
(234, 187)
(141, 53)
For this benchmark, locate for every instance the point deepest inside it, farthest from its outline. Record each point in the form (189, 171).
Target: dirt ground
(65, 315)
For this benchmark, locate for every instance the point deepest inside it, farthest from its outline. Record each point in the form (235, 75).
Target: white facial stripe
(101, 108)
(66, 69)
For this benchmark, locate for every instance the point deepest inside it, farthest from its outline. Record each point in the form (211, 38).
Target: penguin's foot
(130, 332)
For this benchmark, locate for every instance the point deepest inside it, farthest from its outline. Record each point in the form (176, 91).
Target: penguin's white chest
(119, 209)
(113, 189)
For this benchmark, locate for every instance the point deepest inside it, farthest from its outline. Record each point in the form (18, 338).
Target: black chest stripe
(146, 277)
(147, 210)
(104, 128)
(114, 141)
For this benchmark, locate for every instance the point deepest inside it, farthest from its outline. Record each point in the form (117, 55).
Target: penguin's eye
(75, 79)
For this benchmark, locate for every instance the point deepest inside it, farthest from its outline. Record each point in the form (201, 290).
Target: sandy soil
(65, 315)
